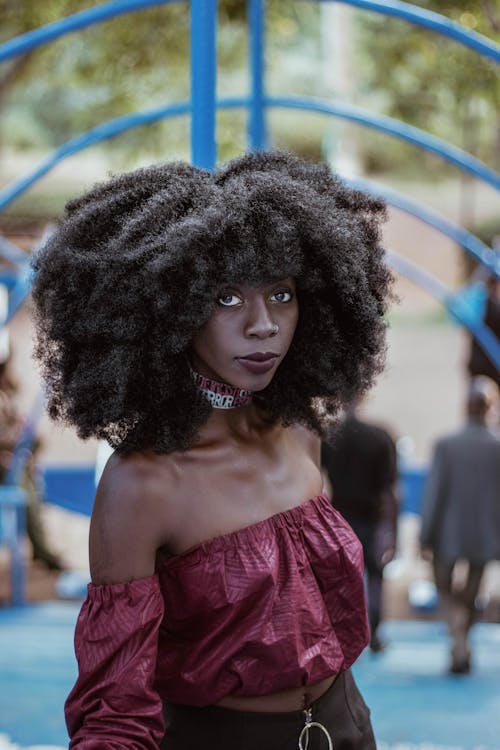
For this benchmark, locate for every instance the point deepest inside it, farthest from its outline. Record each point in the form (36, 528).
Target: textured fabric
(461, 504)
(341, 710)
(276, 605)
(113, 703)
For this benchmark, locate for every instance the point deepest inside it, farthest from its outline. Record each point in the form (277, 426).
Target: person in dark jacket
(461, 514)
(479, 363)
(11, 425)
(360, 461)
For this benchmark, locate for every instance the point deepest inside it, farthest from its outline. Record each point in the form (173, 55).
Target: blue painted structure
(12, 530)
(257, 135)
(203, 106)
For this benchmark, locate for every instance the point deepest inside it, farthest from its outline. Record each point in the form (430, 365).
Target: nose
(259, 322)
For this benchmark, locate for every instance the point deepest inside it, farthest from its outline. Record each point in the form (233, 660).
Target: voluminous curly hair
(134, 270)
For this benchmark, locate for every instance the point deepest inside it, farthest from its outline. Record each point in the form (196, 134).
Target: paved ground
(415, 704)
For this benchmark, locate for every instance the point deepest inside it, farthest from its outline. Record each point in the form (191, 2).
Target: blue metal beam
(78, 21)
(95, 135)
(410, 13)
(257, 135)
(429, 20)
(12, 523)
(456, 306)
(203, 82)
(465, 239)
(11, 253)
(417, 137)
(472, 244)
(395, 128)
(19, 291)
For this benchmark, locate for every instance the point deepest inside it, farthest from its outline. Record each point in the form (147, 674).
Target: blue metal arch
(258, 101)
(76, 22)
(465, 239)
(203, 51)
(410, 13)
(388, 125)
(429, 20)
(455, 306)
(472, 244)
(393, 127)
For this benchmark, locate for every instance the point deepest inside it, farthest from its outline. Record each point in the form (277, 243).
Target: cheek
(292, 322)
(288, 326)
(209, 339)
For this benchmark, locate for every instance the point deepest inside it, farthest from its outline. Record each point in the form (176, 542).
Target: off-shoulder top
(276, 605)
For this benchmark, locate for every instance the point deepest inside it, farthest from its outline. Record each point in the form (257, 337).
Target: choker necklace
(221, 395)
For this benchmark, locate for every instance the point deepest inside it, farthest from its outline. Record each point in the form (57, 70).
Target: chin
(255, 383)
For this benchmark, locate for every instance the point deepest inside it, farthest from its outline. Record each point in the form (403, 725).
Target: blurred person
(208, 325)
(478, 362)
(11, 425)
(461, 514)
(360, 461)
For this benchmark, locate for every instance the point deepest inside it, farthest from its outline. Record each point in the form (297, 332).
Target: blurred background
(332, 51)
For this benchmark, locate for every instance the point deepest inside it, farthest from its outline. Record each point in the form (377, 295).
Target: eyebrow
(239, 288)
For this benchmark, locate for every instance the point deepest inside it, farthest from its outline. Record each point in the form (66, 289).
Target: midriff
(295, 699)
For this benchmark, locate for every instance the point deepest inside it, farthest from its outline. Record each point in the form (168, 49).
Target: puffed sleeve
(114, 703)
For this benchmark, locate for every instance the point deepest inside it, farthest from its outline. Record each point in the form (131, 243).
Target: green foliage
(432, 82)
(107, 70)
(141, 60)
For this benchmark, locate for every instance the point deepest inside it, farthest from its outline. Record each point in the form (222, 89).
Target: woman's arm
(114, 703)
(128, 521)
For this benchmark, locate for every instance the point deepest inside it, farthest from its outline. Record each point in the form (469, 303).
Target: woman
(207, 326)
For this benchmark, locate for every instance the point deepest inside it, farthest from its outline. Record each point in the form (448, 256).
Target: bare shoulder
(130, 517)
(310, 441)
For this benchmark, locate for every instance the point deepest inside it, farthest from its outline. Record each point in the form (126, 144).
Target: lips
(259, 356)
(258, 363)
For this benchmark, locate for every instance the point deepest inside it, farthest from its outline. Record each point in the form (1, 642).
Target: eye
(228, 299)
(283, 295)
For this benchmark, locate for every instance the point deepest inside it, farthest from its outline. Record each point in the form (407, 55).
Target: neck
(229, 427)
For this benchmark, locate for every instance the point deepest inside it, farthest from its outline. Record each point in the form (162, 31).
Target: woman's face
(248, 334)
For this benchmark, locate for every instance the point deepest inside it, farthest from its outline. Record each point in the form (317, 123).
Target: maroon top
(276, 605)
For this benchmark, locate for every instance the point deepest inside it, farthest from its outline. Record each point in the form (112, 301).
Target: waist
(293, 699)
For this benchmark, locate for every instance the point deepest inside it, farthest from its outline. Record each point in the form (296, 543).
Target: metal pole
(18, 559)
(257, 130)
(203, 82)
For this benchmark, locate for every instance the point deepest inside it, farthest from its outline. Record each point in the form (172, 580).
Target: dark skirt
(341, 710)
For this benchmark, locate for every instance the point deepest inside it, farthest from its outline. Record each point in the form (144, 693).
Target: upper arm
(127, 526)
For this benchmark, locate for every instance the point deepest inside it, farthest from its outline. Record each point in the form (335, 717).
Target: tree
(140, 61)
(433, 83)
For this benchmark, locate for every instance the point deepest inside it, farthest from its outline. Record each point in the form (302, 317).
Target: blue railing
(388, 125)
(12, 529)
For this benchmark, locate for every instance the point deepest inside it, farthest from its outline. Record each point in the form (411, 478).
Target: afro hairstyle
(134, 269)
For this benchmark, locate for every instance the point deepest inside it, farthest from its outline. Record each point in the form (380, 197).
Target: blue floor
(415, 704)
